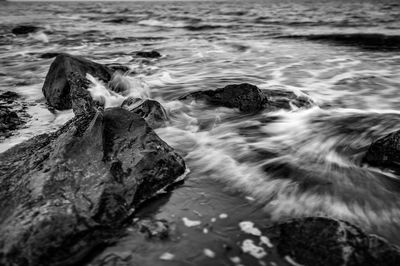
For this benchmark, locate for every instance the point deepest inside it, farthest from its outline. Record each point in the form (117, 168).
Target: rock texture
(329, 242)
(385, 152)
(245, 97)
(56, 88)
(64, 193)
(13, 114)
(152, 111)
(249, 98)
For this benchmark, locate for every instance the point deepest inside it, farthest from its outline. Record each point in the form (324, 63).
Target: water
(292, 163)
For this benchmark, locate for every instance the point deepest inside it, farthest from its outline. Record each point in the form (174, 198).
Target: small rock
(25, 29)
(154, 228)
(148, 54)
(246, 97)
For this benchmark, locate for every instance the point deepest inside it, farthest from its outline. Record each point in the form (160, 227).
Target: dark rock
(13, 114)
(119, 67)
(121, 20)
(245, 97)
(56, 88)
(385, 152)
(82, 102)
(148, 54)
(369, 41)
(152, 111)
(49, 55)
(249, 98)
(154, 228)
(63, 194)
(329, 242)
(25, 29)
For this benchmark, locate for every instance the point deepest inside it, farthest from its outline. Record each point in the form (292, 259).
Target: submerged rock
(154, 228)
(385, 152)
(283, 99)
(56, 88)
(249, 98)
(245, 97)
(329, 242)
(148, 54)
(13, 114)
(25, 29)
(152, 111)
(64, 193)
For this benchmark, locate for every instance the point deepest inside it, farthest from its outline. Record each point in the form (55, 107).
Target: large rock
(64, 193)
(152, 111)
(385, 152)
(328, 242)
(56, 87)
(245, 97)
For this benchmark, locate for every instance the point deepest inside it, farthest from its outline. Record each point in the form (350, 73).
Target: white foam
(248, 246)
(190, 223)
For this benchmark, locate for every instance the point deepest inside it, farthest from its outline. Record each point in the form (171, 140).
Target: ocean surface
(342, 55)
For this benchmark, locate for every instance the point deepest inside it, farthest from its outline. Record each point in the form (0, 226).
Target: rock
(120, 20)
(25, 29)
(13, 114)
(65, 193)
(119, 67)
(385, 152)
(249, 98)
(56, 88)
(246, 97)
(154, 228)
(148, 54)
(329, 242)
(49, 55)
(152, 111)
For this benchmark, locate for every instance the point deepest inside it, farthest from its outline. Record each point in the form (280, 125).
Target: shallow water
(290, 163)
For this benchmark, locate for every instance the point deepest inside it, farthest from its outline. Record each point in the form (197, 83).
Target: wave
(370, 41)
(162, 24)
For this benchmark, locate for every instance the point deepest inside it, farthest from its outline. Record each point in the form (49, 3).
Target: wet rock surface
(152, 111)
(154, 229)
(249, 98)
(324, 241)
(71, 190)
(13, 114)
(245, 97)
(385, 152)
(56, 88)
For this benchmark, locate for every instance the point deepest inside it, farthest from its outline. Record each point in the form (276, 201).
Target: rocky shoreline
(67, 193)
